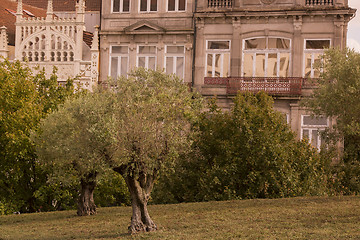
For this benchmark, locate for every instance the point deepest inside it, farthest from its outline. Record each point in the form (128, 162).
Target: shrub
(248, 152)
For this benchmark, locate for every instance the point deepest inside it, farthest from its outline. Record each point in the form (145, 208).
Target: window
(174, 60)
(176, 5)
(148, 5)
(311, 128)
(266, 57)
(217, 59)
(286, 117)
(146, 57)
(120, 5)
(312, 56)
(119, 59)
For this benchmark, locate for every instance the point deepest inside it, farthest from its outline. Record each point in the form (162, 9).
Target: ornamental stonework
(267, 1)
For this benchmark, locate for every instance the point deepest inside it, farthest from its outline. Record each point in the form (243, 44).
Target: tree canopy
(338, 90)
(132, 125)
(154, 115)
(337, 96)
(25, 98)
(72, 142)
(247, 152)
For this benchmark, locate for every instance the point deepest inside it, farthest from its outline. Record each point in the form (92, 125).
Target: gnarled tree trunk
(86, 204)
(140, 188)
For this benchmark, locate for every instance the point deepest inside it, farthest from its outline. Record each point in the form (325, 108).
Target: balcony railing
(319, 2)
(273, 86)
(220, 3)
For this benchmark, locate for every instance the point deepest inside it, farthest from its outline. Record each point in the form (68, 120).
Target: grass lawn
(292, 218)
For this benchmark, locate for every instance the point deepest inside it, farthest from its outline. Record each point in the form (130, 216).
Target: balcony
(278, 86)
(219, 3)
(319, 2)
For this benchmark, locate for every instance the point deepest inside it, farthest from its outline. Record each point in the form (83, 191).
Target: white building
(52, 41)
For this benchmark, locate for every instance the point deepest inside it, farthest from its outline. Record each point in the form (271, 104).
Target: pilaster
(188, 59)
(200, 54)
(95, 58)
(80, 24)
(50, 11)
(4, 50)
(338, 32)
(295, 118)
(236, 48)
(18, 33)
(297, 50)
(160, 53)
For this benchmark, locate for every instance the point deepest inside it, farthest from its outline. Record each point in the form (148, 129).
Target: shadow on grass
(30, 217)
(95, 236)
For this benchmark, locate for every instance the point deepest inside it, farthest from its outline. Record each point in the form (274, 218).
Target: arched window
(266, 57)
(33, 49)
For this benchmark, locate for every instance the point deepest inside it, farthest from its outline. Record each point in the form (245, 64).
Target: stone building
(152, 34)
(269, 45)
(221, 47)
(67, 9)
(49, 41)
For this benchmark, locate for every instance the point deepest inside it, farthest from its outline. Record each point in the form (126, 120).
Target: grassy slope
(295, 218)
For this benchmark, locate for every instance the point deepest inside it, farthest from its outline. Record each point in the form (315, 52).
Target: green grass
(292, 218)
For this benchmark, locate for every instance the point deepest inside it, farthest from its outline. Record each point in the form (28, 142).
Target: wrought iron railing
(272, 86)
(319, 2)
(220, 3)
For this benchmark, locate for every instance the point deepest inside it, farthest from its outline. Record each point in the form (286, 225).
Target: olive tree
(132, 125)
(153, 123)
(72, 142)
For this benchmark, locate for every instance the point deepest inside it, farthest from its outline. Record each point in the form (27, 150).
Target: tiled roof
(88, 38)
(8, 18)
(65, 5)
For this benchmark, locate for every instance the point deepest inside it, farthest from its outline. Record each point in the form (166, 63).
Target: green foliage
(138, 122)
(248, 152)
(25, 98)
(337, 96)
(56, 196)
(111, 190)
(72, 141)
(153, 112)
(338, 90)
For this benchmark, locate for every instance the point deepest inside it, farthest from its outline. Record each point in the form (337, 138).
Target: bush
(56, 196)
(249, 152)
(111, 190)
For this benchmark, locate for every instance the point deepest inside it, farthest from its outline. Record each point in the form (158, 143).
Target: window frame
(266, 51)
(119, 57)
(146, 55)
(175, 56)
(310, 128)
(176, 6)
(148, 6)
(214, 52)
(121, 6)
(313, 52)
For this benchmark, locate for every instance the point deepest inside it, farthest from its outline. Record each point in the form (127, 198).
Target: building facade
(151, 34)
(67, 9)
(221, 47)
(48, 41)
(268, 45)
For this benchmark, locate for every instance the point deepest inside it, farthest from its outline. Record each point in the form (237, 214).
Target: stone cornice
(276, 12)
